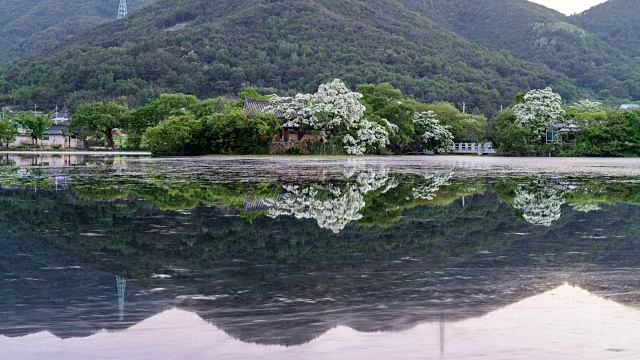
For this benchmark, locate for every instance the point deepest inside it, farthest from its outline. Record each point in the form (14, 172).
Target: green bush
(179, 135)
(294, 150)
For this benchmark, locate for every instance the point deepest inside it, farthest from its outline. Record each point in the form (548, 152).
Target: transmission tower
(122, 285)
(122, 9)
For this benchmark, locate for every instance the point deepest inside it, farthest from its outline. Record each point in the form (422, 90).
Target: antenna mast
(122, 9)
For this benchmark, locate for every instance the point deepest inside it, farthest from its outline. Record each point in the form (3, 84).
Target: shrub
(294, 150)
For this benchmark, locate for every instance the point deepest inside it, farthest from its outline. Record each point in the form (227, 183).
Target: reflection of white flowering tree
(333, 207)
(586, 207)
(427, 187)
(539, 110)
(540, 204)
(332, 107)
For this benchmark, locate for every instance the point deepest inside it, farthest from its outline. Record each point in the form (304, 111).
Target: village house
(57, 136)
(563, 132)
(285, 137)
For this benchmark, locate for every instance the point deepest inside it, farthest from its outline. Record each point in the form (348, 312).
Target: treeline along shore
(375, 119)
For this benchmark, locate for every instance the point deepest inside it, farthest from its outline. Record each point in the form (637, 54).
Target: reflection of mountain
(280, 281)
(411, 258)
(558, 324)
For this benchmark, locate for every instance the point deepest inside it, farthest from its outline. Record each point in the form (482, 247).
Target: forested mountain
(31, 26)
(194, 47)
(615, 22)
(541, 35)
(481, 52)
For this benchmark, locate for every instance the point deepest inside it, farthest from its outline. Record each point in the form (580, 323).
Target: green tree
(8, 132)
(509, 137)
(100, 118)
(178, 135)
(36, 125)
(158, 110)
(387, 102)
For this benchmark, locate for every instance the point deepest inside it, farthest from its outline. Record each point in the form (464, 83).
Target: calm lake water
(309, 258)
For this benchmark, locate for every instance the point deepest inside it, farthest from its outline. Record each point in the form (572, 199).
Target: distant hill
(31, 26)
(541, 35)
(289, 45)
(615, 22)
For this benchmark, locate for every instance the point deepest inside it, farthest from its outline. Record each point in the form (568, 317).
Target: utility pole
(122, 9)
(464, 107)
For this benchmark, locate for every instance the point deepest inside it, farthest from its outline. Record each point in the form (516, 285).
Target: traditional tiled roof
(61, 129)
(256, 106)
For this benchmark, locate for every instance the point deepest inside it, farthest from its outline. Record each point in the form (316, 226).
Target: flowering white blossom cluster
(587, 105)
(436, 138)
(333, 106)
(427, 187)
(331, 206)
(293, 110)
(369, 135)
(539, 110)
(540, 204)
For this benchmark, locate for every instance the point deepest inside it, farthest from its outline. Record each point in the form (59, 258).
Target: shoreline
(53, 152)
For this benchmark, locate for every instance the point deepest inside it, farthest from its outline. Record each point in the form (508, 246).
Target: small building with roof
(286, 136)
(563, 132)
(56, 136)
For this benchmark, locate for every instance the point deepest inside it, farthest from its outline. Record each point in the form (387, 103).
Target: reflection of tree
(25, 178)
(426, 187)
(540, 203)
(586, 207)
(331, 205)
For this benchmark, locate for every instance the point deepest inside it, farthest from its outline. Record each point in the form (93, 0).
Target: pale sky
(569, 6)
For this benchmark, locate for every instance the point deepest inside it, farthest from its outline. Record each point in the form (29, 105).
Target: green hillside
(31, 26)
(194, 47)
(614, 22)
(537, 34)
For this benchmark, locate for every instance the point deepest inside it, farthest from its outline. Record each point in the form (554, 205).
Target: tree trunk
(109, 136)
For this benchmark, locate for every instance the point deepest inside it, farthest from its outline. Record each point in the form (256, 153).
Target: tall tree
(36, 125)
(100, 118)
(539, 110)
(8, 132)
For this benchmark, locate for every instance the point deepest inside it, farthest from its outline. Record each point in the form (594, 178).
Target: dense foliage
(581, 129)
(614, 22)
(179, 124)
(192, 47)
(32, 26)
(543, 36)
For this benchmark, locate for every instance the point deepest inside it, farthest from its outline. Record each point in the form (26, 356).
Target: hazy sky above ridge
(569, 6)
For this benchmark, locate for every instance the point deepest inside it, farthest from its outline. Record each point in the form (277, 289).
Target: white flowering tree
(540, 203)
(587, 105)
(334, 108)
(539, 110)
(431, 136)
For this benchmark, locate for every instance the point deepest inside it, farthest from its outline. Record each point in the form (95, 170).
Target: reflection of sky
(565, 323)
(569, 6)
